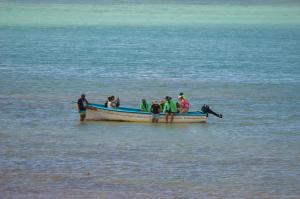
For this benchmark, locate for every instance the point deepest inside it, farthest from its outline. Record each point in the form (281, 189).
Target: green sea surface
(47, 14)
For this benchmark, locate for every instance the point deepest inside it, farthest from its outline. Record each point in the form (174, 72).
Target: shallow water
(249, 72)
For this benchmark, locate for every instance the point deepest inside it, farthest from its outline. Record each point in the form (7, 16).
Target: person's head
(144, 101)
(180, 98)
(82, 96)
(167, 98)
(181, 94)
(112, 97)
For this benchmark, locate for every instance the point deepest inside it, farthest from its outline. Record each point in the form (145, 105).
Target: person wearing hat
(182, 95)
(82, 104)
(184, 104)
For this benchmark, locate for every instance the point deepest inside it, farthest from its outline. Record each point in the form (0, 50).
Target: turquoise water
(245, 66)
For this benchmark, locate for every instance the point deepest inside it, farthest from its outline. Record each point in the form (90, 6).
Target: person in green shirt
(145, 106)
(162, 104)
(170, 108)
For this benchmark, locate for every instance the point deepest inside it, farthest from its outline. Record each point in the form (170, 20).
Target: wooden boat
(122, 114)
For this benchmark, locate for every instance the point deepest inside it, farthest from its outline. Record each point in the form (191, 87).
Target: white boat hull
(131, 115)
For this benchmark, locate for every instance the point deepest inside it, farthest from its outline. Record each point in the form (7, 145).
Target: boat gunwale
(137, 111)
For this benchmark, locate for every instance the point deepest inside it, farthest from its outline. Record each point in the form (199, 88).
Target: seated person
(113, 102)
(117, 102)
(109, 102)
(106, 102)
(182, 95)
(145, 106)
(184, 105)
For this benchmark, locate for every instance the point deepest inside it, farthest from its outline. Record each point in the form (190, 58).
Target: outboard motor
(206, 109)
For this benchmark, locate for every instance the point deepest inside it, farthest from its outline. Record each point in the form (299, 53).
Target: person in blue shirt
(82, 104)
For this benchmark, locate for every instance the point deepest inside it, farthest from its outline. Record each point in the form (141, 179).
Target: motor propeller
(206, 109)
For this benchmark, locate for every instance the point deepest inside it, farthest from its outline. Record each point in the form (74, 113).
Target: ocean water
(242, 60)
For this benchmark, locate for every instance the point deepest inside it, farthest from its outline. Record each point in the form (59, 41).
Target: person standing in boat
(155, 110)
(145, 106)
(82, 104)
(170, 108)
